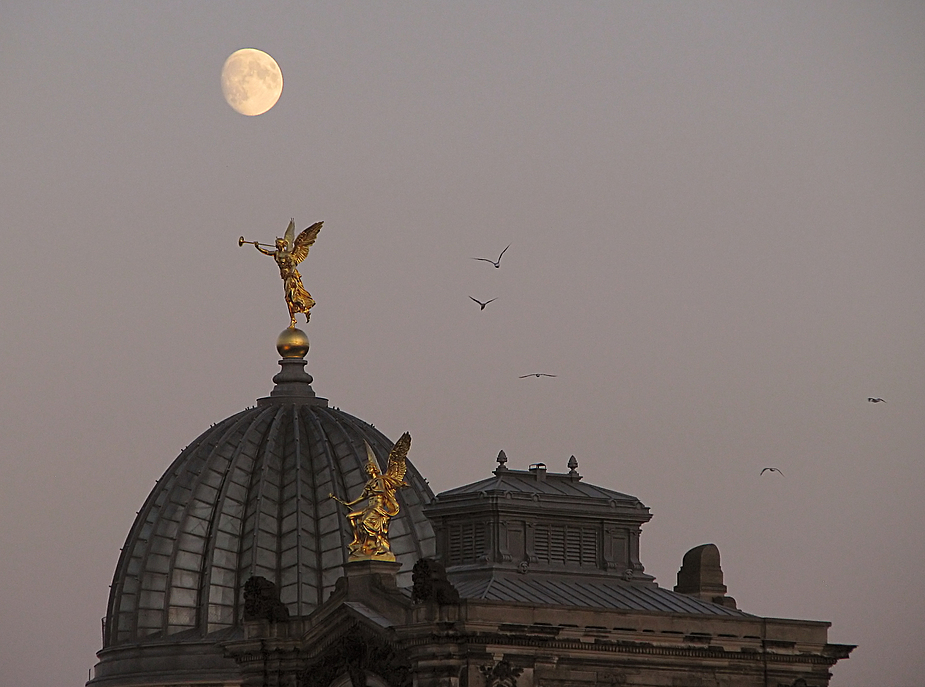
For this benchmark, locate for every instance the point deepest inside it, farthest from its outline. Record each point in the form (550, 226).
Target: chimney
(539, 469)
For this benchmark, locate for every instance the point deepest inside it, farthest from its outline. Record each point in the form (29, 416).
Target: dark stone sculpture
(701, 576)
(502, 674)
(261, 601)
(431, 584)
(355, 654)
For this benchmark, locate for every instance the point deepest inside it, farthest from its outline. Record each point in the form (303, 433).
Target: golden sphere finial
(292, 343)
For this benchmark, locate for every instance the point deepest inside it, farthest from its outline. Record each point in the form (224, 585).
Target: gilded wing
(371, 461)
(290, 235)
(397, 465)
(305, 241)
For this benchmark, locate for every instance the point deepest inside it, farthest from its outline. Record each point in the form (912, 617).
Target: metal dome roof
(250, 497)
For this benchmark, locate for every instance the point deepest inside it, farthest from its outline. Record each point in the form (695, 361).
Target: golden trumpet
(241, 242)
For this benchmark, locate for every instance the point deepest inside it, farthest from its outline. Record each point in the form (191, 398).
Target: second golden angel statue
(370, 524)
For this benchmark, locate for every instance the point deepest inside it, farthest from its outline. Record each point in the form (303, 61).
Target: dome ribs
(322, 506)
(259, 556)
(124, 611)
(334, 532)
(249, 496)
(154, 574)
(291, 516)
(185, 590)
(219, 608)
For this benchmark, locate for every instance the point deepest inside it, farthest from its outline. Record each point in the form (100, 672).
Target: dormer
(537, 522)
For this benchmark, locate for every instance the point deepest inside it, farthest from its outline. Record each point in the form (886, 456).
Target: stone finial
(701, 576)
(573, 466)
(293, 383)
(261, 601)
(502, 459)
(502, 674)
(430, 583)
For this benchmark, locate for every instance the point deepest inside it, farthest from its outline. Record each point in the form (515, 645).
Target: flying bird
(496, 263)
(876, 400)
(482, 304)
(536, 374)
(772, 470)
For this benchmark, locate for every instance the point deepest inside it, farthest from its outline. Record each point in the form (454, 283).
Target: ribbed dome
(250, 497)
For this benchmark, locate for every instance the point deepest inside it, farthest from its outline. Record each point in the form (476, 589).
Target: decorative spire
(502, 459)
(293, 383)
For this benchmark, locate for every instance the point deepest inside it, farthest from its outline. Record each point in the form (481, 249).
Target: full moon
(251, 81)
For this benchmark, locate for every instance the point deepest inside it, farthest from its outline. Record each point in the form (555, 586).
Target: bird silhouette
(496, 263)
(876, 400)
(772, 470)
(536, 374)
(482, 305)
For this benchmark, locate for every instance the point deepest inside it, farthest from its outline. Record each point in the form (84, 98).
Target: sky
(715, 218)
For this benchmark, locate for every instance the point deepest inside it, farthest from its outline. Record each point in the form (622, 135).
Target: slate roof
(587, 593)
(526, 482)
(369, 614)
(250, 497)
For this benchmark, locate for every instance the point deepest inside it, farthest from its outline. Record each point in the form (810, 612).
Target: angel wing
(289, 236)
(305, 241)
(371, 461)
(397, 465)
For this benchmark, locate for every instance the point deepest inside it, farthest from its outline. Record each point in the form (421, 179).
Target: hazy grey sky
(716, 217)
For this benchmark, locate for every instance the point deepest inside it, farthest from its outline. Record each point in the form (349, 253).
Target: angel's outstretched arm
(350, 503)
(265, 251)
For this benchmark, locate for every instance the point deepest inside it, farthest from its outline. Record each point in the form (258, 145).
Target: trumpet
(241, 242)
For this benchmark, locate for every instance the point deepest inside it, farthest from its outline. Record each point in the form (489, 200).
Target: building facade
(235, 573)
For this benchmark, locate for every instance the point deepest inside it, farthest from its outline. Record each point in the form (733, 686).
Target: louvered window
(467, 542)
(565, 545)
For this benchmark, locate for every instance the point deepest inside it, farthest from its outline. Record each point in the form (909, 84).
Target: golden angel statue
(371, 523)
(290, 251)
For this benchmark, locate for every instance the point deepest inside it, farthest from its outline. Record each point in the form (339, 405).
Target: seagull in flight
(536, 374)
(482, 304)
(496, 263)
(876, 400)
(772, 470)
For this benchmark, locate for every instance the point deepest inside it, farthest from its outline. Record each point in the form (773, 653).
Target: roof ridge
(491, 581)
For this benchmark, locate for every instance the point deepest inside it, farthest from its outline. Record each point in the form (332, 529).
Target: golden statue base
(363, 579)
(367, 567)
(386, 557)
